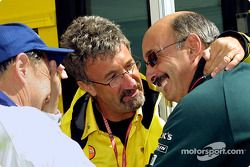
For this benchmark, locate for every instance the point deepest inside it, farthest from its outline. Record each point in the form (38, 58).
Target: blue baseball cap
(17, 38)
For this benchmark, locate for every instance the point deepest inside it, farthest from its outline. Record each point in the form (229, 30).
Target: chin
(136, 102)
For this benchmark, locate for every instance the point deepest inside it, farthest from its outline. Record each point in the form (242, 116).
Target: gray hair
(34, 57)
(91, 37)
(191, 22)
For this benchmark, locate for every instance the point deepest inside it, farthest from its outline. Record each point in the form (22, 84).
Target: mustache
(128, 92)
(158, 80)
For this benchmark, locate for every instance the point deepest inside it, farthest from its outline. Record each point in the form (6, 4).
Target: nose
(150, 74)
(129, 81)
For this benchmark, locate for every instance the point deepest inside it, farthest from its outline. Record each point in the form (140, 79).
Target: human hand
(51, 102)
(223, 53)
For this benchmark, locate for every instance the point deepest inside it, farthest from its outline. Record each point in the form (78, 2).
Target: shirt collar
(91, 125)
(5, 100)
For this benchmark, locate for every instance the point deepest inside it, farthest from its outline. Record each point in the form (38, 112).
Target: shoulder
(20, 114)
(38, 139)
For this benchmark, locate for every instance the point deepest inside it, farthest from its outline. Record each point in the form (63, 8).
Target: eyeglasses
(153, 55)
(116, 80)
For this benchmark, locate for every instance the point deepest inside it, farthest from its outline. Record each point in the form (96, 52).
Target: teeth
(164, 82)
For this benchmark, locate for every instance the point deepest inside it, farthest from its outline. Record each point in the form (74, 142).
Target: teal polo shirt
(210, 126)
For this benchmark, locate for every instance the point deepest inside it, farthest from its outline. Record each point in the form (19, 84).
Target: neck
(114, 116)
(198, 76)
(14, 97)
(12, 86)
(118, 117)
(9, 90)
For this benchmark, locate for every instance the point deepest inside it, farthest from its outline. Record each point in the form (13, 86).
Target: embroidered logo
(162, 148)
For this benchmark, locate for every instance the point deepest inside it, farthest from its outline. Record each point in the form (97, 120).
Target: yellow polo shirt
(141, 141)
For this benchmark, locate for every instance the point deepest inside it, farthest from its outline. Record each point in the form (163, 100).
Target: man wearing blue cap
(28, 78)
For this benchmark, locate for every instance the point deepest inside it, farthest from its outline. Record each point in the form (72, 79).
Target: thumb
(206, 54)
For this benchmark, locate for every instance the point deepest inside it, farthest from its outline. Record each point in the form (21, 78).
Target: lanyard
(198, 81)
(113, 143)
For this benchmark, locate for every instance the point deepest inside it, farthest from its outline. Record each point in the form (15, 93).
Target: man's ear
(87, 87)
(195, 46)
(21, 66)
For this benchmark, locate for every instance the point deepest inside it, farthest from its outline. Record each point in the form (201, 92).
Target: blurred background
(50, 18)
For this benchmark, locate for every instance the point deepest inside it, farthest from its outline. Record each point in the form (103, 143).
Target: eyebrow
(149, 51)
(106, 76)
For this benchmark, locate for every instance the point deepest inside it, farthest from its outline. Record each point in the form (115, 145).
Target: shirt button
(142, 149)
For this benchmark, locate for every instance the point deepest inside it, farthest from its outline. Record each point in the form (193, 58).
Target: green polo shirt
(210, 126)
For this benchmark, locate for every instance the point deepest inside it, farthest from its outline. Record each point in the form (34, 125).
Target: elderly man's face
(168, 63)
(39, 83)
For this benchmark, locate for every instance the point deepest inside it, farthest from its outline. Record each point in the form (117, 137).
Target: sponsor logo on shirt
(91, 152)
(152, 160)
(162, 148)
(166, 136)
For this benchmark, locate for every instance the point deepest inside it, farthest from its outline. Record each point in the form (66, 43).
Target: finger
(212, 63)
(55, 81)
(230, 61)
(53, 99)
(215, 72)
(225, 53)
(63, 75)
(236, 60)
(61, 71)
(60, 67)
(206, 54)
(227, 59)
(222, 64)
(52, 69)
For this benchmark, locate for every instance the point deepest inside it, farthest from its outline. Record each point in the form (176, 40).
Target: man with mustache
(114, 117)
(212, 119)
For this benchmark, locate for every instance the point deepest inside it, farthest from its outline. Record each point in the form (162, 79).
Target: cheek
(44, 80)
(39, 93)
(150, 73)
(109, 97)
(138, 80)
(163, 66)
(149, 77)
(44, 86)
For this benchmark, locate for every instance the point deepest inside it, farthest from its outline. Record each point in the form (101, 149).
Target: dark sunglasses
(153, 55)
